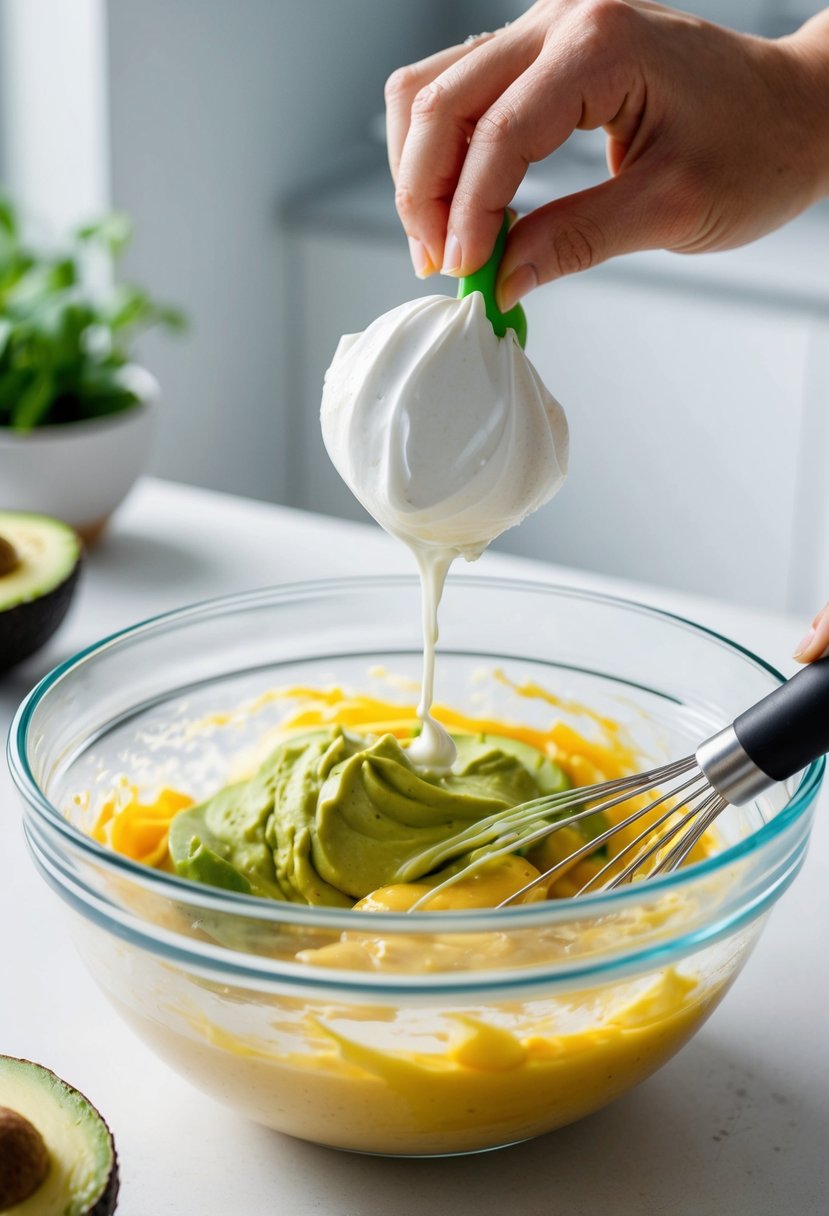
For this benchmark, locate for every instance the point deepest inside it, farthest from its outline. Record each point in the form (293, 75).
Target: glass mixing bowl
(470, 1030)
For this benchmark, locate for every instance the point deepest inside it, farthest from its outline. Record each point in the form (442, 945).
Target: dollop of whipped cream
(447, 436)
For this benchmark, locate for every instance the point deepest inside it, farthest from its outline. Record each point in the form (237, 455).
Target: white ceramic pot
(81, 471)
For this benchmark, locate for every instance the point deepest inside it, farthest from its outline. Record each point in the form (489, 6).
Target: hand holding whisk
(771, 741)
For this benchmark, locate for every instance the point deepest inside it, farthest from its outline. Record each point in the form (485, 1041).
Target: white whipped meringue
(447, 436)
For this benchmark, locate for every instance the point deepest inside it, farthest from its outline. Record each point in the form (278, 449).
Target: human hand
(714, 137)
(815, 645)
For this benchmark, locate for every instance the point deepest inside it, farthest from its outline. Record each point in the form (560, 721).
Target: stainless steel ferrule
(730, 769)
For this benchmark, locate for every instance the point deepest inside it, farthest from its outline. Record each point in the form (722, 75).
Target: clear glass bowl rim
(453, 921)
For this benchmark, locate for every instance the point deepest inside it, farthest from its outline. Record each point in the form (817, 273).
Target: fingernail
(516, 285)
(451, 255)
(805, 644)
(420, 259)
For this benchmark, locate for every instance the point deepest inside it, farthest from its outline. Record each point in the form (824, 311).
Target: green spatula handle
(483, 280)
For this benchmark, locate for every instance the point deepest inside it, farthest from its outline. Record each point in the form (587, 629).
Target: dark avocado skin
(105, 1206)
(26, 627)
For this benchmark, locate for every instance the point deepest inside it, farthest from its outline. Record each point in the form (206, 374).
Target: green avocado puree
(330, 817)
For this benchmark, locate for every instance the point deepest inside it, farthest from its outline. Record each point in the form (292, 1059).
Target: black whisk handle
(789, 728)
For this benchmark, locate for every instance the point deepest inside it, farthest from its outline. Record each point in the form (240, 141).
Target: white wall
(217, 111)
(53, 109)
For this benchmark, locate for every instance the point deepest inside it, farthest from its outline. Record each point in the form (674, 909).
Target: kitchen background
(245, 140)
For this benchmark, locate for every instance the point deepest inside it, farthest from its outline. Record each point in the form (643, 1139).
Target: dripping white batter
(447, 436)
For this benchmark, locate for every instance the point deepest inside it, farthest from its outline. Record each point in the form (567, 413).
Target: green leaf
(8, 218)
(130, 306)
(12, 384)
(6, 331)
(13, 270)
(172, 318)
(64, 338)
(112, 231)
(33, 403)
(101, 391)
(63, 274)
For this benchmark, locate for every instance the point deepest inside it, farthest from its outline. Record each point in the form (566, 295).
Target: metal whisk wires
(770, 742)
(683, 813)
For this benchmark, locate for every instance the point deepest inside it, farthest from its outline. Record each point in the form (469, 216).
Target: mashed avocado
(331, 816)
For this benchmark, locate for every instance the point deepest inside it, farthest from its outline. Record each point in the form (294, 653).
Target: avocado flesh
(35, 592)
(330, 816)
(83, 1174)
(549, 778)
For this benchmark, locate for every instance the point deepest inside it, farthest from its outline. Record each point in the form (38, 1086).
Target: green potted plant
(75, 413)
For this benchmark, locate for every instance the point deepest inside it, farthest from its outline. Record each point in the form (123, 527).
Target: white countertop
(737, 1124)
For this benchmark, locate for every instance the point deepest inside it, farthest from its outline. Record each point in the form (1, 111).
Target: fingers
(442, 117)
(475, 129)
(518, 128)
(630, 212)
(815, 645)
(401, 89)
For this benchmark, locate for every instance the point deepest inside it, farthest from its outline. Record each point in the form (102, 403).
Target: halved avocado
(39, 566)
(44, 1114)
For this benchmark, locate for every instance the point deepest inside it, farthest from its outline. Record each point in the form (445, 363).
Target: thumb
(815, 645)
(627, 213)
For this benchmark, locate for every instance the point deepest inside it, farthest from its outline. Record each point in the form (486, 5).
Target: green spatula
(483, 280)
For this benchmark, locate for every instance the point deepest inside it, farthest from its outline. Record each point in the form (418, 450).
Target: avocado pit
(8, 557)
(24, 1158)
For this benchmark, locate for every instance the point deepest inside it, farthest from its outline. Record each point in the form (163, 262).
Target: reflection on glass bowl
(438, 1033)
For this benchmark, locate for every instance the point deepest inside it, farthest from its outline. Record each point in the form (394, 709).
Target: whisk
(769, 742)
